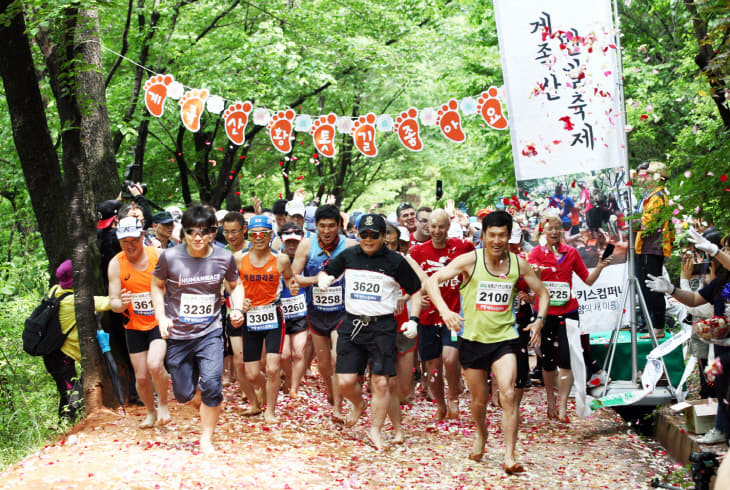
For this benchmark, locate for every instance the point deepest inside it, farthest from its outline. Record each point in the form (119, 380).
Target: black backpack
(42, 333)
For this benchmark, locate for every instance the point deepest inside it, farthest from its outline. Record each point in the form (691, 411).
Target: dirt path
(308, 450)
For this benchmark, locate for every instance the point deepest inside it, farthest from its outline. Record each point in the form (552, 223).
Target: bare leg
(208, 421)
(144, 387)
(247, 389)
(505, 374)
(452, 369)
(380, 402)
(255, 383)
(564, 384)
(549, 378)
(273, 382)
(351, 389)
(325, 366)
(286, 361)
(404, 377)
(435, 375)
(160, 378)
(394, 410)
(476, 380)
(298, 346)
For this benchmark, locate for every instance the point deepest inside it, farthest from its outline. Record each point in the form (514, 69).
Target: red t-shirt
(558, 276)
(432, 259)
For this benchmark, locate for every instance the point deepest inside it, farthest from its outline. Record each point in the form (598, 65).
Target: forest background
(72, 117)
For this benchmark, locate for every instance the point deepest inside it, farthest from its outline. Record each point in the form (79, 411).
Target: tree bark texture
(32, 138)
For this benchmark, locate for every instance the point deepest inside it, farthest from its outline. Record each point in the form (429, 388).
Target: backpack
(42, 333)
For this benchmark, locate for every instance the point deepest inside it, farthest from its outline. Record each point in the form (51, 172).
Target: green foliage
(28, 396)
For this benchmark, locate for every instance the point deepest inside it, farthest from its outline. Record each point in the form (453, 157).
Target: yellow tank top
(486, 301)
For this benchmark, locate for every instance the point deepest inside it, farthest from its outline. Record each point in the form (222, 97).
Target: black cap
(163, 217)
(371, 222)
(106, 213)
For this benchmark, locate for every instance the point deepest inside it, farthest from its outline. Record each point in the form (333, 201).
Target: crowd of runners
(408, 301)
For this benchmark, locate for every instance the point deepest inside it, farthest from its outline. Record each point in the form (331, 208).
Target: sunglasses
(258, 234)
(370, 235)
(198, 231)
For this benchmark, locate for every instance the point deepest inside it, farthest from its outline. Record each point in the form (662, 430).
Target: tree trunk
(96, 138)
(32, 138)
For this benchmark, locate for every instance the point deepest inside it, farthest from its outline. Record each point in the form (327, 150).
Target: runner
(294, 307)
(374, 276)
(556, 262)
(325, 308)
(130, 275)
(406, 216)
(489, 340)
(422, 233)
(234, 230)
(436, 346)
(261, 281)
(186, 287)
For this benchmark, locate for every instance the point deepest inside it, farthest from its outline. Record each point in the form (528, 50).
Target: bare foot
(477, 449)
(270, 418)
(293, 394)
(453, 410)
(163, 415)
(375, 438)
(399, 437)
(149, 421)
(513, 468)
(260, 397)
(226, 380)
(252, 410)
(355, 414)
(206, 447)
(440, 413)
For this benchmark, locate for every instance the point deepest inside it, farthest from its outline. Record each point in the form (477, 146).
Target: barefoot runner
(130, 275)
(186, 288)
(325, 309)
(374, 276)
(489, 341)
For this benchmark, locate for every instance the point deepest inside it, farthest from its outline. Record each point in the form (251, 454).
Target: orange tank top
(262, 285)
(140, 312)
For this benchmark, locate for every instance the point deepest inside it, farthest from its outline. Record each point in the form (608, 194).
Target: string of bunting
(281, 124)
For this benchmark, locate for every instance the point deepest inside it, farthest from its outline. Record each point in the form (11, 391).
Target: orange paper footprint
(323, 134)
(363, 134)
(155, 93)
(406, 126)
(191, 108)
(236, 118)
(449, 121)
(280, 128)
(490, 108)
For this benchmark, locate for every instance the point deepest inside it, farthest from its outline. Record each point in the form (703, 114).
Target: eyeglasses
(232, 232)
(199, 231)
(258, 234)
(370, 235)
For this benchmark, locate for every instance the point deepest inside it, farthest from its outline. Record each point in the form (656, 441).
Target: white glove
(324, 281)
(660, 284)
(702, 243)
(409, 329)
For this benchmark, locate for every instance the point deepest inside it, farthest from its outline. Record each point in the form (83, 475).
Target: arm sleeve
(336, 267)
(160, 271)
(232, 271)
(706, 292)
(407, 278)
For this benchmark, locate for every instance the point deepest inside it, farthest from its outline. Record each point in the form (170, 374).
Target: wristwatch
(540, 317)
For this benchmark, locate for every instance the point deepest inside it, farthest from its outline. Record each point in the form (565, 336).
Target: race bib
(332, 296)
(294, 307)
(364, 285)
(493, 296)
(262, 318)
(197, 308)
(142, 304)
(559, 292)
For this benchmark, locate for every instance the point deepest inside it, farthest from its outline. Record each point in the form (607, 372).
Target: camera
(704, 465)
(132, 175)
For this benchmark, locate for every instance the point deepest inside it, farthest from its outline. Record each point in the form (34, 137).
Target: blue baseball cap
(260, 221)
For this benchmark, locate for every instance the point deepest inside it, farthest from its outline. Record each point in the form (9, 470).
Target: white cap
(405, 235)
(295, 207)
(129, 227)
(516, 237)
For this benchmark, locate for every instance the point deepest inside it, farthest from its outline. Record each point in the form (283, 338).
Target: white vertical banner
(562, 86)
